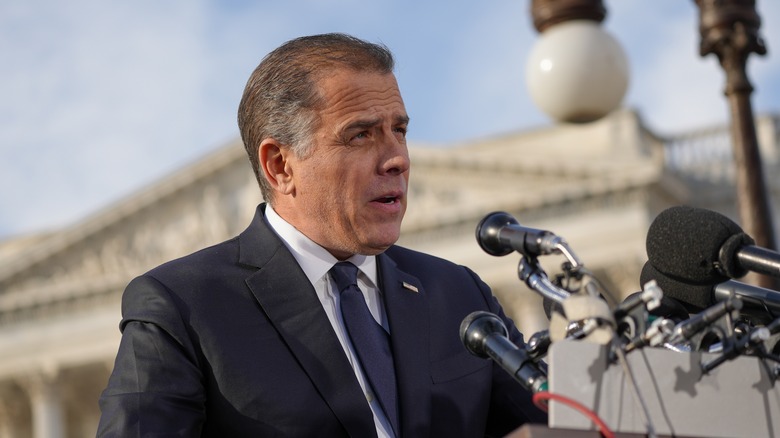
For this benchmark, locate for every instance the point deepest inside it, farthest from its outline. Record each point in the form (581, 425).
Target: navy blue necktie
(371, 341)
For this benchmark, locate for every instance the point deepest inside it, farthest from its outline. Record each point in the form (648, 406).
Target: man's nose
(396, 159)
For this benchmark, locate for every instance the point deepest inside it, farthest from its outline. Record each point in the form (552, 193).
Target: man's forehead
(361, 91)
(354, 78)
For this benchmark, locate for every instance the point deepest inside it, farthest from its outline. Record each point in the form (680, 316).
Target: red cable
(541, 397)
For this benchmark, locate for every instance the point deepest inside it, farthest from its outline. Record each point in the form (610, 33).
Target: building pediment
(198, 206)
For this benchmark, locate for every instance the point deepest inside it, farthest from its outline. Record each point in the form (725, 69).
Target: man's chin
(378, 247)
(375, 248)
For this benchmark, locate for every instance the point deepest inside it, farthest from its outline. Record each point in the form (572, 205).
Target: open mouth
(387, 199)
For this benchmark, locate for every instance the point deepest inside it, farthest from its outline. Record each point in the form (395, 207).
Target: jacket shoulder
(199, 264)
(418, 263)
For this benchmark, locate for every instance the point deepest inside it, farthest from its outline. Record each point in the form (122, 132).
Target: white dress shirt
(316, 261)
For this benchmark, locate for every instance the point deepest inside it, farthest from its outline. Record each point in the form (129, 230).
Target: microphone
(740, 345)
(485, 335)
(758, 302)
(668, 308)
(702, 246)
(756, 298)
(693, 297)
(499, 234)
(649, 298)
(686, 330)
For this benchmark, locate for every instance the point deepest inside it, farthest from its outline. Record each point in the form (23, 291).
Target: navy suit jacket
(232, 341)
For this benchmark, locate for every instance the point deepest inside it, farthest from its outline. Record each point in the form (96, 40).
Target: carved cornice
(97, 267)
(450, 206)
(447, 227)
(113, 214)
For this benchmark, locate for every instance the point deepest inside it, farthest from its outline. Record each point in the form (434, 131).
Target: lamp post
(729, 29)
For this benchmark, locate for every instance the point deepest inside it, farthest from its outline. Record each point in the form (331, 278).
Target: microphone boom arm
(532, 274)
(760, 260)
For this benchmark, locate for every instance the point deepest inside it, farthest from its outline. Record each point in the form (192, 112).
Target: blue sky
(99, 98)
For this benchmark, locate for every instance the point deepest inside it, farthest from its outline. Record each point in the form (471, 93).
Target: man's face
(349, 193)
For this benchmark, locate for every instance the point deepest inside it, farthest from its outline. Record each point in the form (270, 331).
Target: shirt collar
(314, 260)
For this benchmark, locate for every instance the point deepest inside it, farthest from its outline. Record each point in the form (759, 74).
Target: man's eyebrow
(370, 123)
(362, 124)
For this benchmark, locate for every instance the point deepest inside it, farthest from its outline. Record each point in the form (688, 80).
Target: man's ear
(274, 159)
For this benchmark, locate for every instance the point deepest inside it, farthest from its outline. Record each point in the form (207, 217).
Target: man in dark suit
(257, 336)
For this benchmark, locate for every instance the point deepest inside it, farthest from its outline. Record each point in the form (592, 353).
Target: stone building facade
(597, 185)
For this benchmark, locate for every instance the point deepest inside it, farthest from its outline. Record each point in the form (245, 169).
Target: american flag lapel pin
(411, 287)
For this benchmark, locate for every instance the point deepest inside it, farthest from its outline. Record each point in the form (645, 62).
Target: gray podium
(737, 399)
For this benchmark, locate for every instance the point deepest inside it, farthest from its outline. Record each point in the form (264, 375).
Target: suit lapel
(292, 306)
(407, 311)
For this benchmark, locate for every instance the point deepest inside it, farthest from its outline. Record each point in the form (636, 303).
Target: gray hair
(282, 99)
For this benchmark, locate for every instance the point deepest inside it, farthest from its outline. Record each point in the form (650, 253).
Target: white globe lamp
(577, 72)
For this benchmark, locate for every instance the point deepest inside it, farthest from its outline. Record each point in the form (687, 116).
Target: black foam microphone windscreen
(693, 297)
(685, 242)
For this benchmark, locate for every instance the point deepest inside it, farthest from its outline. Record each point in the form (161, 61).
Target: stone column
(48, 416)
(6, 426)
